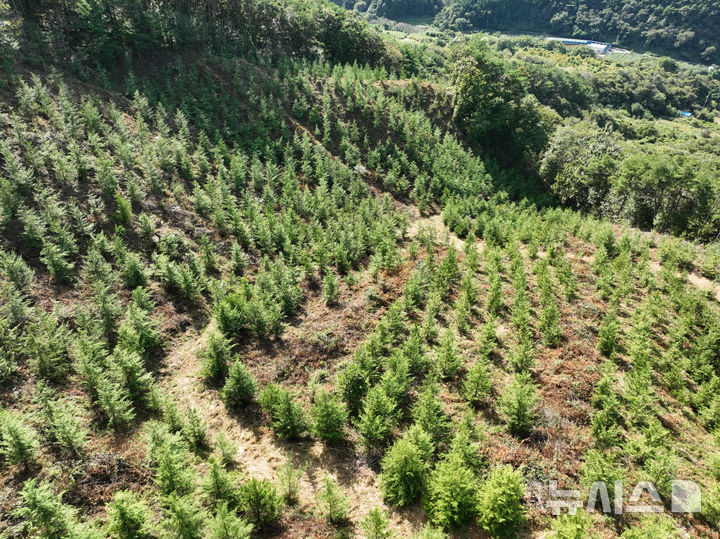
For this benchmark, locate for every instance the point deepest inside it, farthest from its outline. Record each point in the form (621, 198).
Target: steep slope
(288, 294)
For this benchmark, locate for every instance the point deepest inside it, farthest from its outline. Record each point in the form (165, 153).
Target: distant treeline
(686, 28)
(110, 33)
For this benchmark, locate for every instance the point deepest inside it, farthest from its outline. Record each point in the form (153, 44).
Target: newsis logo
(685, 497)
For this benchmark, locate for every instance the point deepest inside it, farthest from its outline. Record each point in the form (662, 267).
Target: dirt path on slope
(260, 453)
(435, 222)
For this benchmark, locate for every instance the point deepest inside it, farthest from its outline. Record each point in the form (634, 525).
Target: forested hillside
(686, 29)
(266, 271)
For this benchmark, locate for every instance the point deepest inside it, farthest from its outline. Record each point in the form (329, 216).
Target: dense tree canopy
(687, 28)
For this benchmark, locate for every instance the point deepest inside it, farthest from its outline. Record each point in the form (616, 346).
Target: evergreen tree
(500, 511)
(377, 420)
(402, 478)
(240, 387)
(128, 517)
(227, 525)
(450, 501)
(328, 417)
(518, 403)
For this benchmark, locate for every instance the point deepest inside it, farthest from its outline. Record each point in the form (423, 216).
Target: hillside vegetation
(316, 282)
(686, 29)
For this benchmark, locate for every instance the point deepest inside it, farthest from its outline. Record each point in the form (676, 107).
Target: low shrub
(332, 502)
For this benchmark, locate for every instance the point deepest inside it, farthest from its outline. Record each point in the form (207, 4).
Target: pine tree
(227, 525)
(44, 512)
(260, 503)
(240, 387)
(451, 495)
(449, 360)
(328, 417)
(128, 517)
(184, 518)
(330, 289)
(18, 444)
(332, 501)
(289, 474)
(195, 430)
(477, 384)
(518, 403)
(376, 524)
(220, 486)
(377, 420)
(429, 414)
(608, 334)
(402, 478)
(114, 401)
(500, 510)
(287, 417)
(216, 357)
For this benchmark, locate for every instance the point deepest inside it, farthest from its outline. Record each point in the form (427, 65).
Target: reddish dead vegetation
(96, 480)
(321, 336)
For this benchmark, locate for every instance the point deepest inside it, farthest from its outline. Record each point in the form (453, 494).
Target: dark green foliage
(500, 510)
(685, 30)
(184, 518)
(353, 384)
(328, 417)
(128, 517)
(64, 426)
(46, 345)
(44, 512)
(227, 525)
(402, 478)
(287, 417)
(216, 357)
(492, 106)
(259, 503)
(240, 387)
(517, 404)
(377, 420)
